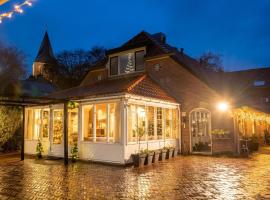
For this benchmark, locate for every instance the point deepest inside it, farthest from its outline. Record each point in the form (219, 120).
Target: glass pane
(201, 141)
(174, 124)
(45, 123)
(127, 63)
(101, 121)
(30, 119)
(141, 123)
(132, 123)
(150, 117)
(114, 66)
(139, 56)
(57, 126)
(114, 133)
(37, 124)
(168, 122)
(73, 126)
(88, 123)
(159, 123)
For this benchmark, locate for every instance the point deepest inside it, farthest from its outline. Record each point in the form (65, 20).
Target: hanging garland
(17, 9)
(246, 113)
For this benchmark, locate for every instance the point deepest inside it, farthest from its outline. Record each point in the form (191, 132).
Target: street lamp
(223, 106)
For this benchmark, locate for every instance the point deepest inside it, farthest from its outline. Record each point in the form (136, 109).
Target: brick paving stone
(184, 177)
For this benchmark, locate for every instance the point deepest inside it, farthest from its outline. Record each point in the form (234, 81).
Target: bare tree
(211, 62)
(71, 66)
(12, 69)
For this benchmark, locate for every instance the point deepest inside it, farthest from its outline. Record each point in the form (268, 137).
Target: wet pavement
(184, 177)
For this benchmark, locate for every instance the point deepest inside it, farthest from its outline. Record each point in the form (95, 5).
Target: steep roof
(45, 53)
(141, 85)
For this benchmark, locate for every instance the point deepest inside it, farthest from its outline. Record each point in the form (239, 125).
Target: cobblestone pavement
(184, 177)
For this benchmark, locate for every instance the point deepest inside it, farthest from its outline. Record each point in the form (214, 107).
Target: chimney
(181, 50)
(160, 37)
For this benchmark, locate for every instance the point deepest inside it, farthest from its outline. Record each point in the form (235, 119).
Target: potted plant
(170, 151)
(139, 158)
(175, 152)
(156, 155)
(39, 149)
(150, 155)
(74, 153)
(163, 154)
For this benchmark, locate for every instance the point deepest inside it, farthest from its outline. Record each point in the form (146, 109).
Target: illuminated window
(127, 63)
(107, 122)
(29, 124)
(151, 125)
(45, 123)
(37, 124)
(132, 123)
(159, 123)
(57, 126)
(73, 126)
(114, 119)
(88, 123)
(101, 119)
(141, 122)
(168, 123)
(174, 123)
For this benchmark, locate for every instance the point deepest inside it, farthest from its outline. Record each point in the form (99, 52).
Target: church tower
(45, 56)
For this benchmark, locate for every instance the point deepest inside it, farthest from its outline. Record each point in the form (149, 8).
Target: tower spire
(45, 56)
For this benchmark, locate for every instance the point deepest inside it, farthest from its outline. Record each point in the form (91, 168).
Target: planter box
(139, 159)
(156, 156)
(163, 153)
(169, 153)
(149, 159)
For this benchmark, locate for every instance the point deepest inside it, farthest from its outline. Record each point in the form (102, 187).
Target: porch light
(223, 106)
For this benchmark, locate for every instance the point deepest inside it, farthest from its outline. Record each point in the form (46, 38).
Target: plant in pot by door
(74, 153)
(139, 158)
(39, 149)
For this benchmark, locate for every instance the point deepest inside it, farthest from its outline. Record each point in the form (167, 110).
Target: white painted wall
(102, 152)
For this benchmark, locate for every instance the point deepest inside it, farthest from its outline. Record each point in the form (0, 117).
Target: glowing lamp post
(223, 106)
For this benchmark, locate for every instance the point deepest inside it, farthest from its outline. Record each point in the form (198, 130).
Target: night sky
(239, 30)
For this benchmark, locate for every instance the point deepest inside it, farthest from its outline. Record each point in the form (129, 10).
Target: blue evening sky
(239, 30)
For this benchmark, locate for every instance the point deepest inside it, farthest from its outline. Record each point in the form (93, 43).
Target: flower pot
(149, 158)
(163, 153)
(139, 159)
(169, 153)
(175, 152)
(156, 156)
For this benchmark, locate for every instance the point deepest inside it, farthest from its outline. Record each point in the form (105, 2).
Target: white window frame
(133, 51)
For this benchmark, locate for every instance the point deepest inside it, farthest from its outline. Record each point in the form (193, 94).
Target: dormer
(126, 62)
